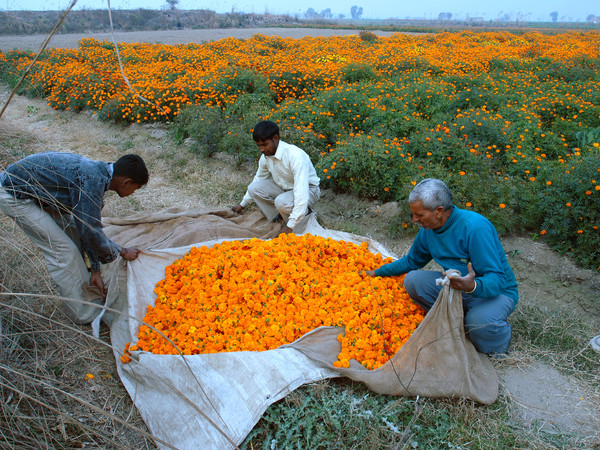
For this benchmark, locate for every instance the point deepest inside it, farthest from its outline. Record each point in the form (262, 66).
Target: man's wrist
(472, 290)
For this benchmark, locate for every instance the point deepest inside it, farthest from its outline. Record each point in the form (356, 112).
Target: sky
(568, 10)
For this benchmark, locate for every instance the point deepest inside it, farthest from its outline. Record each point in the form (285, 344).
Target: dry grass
(46, 401)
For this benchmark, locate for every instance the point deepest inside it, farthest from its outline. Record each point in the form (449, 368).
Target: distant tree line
(85, 21)
(326, 14)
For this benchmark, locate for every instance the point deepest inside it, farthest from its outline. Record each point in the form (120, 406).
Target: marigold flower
(256, 295)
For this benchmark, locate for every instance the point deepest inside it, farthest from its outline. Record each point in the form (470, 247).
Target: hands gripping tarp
(214, 400)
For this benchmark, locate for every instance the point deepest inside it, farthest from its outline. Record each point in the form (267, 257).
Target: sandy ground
(170, 37)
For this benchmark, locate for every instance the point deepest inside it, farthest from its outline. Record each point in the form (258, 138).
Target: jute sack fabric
(214, 400)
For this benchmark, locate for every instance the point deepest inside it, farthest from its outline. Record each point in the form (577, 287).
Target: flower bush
(256, 295)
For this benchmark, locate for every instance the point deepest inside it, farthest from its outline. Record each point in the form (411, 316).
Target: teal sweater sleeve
(417, 257)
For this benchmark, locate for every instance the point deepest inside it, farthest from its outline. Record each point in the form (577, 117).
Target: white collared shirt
(291, 169)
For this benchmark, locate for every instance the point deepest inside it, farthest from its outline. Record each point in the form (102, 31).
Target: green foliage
(339, 414)
(588, 137)
(367, 168)
(349, 107)
(521, 209)
(203, 125)
(237, 81)
(250, 108)
(378, 126)
(571, 203)
(573, 70)
(470, 131)
(355, 72)
(228, 130)
(11, 76)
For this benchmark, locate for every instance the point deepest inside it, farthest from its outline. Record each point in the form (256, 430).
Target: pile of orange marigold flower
(256, 295)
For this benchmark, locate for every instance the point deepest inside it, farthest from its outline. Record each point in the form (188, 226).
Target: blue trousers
(485, 318)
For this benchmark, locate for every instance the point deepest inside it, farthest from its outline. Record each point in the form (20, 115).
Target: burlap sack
(214, 400)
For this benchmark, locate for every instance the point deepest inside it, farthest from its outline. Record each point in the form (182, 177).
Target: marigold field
(256, 295)
(511, 121)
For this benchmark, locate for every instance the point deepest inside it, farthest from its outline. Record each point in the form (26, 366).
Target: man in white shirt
(286, 184)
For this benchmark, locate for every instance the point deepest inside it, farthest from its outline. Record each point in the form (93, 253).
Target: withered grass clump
(58, 385)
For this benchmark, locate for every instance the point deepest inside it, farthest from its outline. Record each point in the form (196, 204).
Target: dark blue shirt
(71, 184)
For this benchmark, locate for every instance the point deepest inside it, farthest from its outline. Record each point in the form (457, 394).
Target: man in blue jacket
(56, 198)
(468, 242)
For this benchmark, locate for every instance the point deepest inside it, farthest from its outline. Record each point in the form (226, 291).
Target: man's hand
(369, 273)
(285, 230)
(130, 253)
(237, 208)
(96, 280)
(466, 283)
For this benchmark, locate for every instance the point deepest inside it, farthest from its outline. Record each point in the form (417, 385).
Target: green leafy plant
(355, 72)
(588, 137)
(571, 213)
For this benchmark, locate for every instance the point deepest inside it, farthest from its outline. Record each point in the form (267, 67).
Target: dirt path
(538, 392)
(169, 37)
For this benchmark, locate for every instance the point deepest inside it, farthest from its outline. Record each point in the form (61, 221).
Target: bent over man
(56, 198)
(468, 242)
(286, 184)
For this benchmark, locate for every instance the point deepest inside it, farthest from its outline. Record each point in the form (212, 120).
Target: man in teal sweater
(468, 242)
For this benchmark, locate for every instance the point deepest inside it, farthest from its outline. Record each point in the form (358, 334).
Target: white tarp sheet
(212, 401)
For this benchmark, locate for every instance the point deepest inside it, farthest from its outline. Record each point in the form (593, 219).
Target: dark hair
(132, 166)
(432, 193)
(265, 130)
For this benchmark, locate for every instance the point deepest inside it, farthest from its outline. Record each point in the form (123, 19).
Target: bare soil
(167, 37)
(542, 394)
